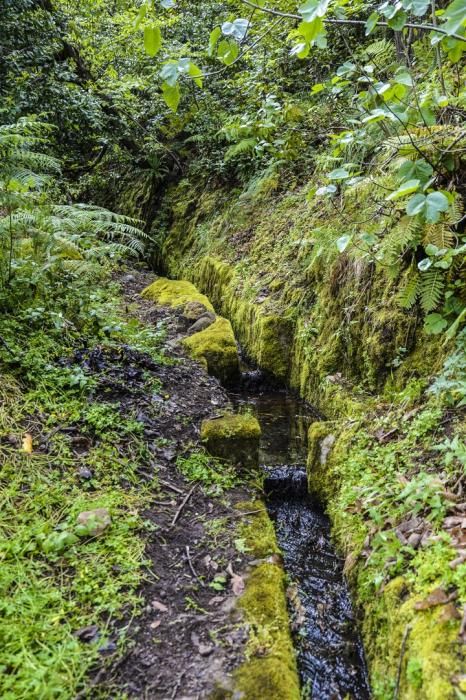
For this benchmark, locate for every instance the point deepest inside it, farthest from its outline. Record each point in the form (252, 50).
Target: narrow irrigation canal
(329, 650)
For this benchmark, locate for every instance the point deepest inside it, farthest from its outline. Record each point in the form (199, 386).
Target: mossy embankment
(330, 326)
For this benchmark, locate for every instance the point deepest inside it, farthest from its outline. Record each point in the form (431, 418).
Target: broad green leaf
(398, 21)
(342, 243)
(195, 73)
(372, 22)
(152, 40)
(167, 4)
(406, 188)
(311, 30)
(417, 7)
(171, 95)
(318, 87)
(436, 203)
(435, 324)
(403, 77)
(227, 51)
(301, 50)
(170, 72)
(312, 9)
(338, 174)
(416, 204)
(419, 169)
(236, 29)
(455, 14)
(375, 116)
(141, 16)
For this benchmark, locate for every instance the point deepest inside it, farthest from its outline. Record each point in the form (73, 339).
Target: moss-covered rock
(270, 667)
(175, 293)
(233, 437)
(216, 345)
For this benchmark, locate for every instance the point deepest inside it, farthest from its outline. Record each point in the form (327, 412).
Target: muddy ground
(189, 636)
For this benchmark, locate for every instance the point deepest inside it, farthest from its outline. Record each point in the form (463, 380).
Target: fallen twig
(183, 503)
(400, 662)
(178, 683)
(170, 486)
(191, 567)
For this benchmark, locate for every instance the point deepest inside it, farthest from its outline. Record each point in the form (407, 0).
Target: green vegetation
(301, 163)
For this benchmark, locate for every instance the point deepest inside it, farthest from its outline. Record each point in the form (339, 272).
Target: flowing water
(329, 650)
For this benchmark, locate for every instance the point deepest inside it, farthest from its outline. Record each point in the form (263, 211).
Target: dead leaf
(157, 605)
(155, 624)
(437, 597)
(27, 443)
(460, 559)
(237, 582)
(350, 563)
(450, 612)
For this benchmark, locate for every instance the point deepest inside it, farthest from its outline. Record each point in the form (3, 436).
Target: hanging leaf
(313, 9)
(171, 95)
(195, 73)
(371, 22)
(215, 35)
(228, 51)
(455, 14)
(152, 40)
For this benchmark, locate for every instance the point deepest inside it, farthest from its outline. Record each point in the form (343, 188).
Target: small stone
(202, 323)
(108, 649)
(87, 634)
(194, 310)
(205, 649)
(96, 521)
(85, 473)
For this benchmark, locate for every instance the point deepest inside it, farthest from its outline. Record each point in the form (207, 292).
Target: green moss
(216, 345)
(270, 667)
(258, 532)
(231, 426)
(234, 438)
(175, 293)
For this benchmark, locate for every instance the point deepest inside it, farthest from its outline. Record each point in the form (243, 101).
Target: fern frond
(439, 234)
(431, 286)
(407, 233)
(409, 292)
(242, 146)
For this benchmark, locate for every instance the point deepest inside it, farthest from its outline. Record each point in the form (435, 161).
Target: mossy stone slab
(234, 438)
(175, 293)
(216, 345)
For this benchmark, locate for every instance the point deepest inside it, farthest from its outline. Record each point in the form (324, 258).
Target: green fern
(243, 146)
(431, 287)
(409, 292)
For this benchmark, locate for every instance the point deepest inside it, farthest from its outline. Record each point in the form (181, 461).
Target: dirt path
(187, 638)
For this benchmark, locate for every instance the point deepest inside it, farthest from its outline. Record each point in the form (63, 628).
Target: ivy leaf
(404, 189)
(228, 51)
(171, 95)
(372, 22)
(327, 189)
(313, 9)
(342, 243)
(152, 40)
(167, 4)
(415, 205)
(236, 29)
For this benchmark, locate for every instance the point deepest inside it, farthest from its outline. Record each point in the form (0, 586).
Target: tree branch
(278, 13)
